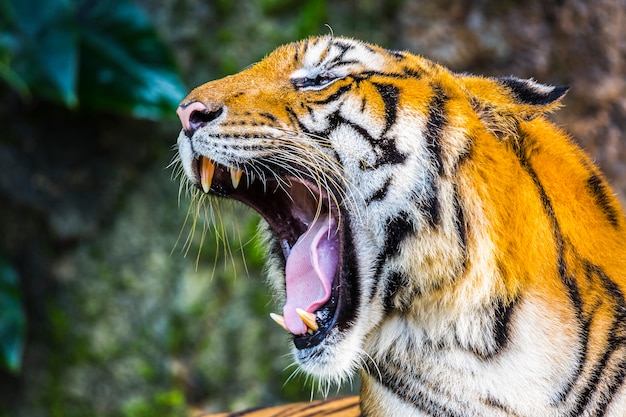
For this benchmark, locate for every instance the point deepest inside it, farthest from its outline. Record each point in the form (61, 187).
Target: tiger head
(350, 154)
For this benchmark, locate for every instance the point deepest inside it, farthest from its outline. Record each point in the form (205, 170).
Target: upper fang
(207, 168)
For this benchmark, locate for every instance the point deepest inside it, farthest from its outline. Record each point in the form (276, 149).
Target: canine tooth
(308, 319)
(280, 320)
(235, 176)
(207, 168)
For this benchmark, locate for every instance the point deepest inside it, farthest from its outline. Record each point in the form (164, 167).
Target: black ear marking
(531, 92)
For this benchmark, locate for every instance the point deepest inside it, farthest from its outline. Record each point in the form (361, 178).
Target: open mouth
(307, 223)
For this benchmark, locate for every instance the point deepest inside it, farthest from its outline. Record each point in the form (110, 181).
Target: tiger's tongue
(310, 270)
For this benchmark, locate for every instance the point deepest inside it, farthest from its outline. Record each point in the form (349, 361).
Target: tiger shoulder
(433, 231)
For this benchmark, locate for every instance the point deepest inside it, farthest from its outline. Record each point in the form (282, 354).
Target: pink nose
(194, 115)
(185, 111)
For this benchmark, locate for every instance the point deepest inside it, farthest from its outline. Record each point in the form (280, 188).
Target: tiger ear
(501, 103)
(532, 96)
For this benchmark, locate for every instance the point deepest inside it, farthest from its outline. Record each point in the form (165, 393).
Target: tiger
(430, 230)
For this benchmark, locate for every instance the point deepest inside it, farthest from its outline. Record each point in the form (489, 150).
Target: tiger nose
(196, 114)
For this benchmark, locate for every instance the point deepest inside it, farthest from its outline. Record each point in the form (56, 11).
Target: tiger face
(432, 229)
(308, 138)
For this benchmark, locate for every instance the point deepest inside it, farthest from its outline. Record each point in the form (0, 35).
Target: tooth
(207, 168)
(235, 176)
(280, 320)
(308, 319)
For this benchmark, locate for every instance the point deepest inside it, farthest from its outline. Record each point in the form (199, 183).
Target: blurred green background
(110, 303)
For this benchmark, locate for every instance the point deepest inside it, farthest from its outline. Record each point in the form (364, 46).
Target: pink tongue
(310, 270)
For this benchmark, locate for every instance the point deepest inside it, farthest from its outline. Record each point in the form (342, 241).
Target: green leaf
(12, 319)
(124, 66)
(44, 48)
(103, 54)
(7, 41)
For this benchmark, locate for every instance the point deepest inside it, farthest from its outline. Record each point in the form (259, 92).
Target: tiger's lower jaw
(336, 359)
(333, 353)
(328, 362)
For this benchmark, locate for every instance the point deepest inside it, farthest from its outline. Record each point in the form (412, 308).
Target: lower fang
(308, 319)
(280, 320)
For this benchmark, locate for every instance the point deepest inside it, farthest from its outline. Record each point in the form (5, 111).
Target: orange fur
(500, 249)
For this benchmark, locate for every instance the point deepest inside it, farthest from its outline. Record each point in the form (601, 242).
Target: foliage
(130, 328)
(12, 320)
(163, 404)
(97, 55)
(101, 55)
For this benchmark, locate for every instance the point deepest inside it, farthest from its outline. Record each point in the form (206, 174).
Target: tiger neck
(479, 327)
(409, 347)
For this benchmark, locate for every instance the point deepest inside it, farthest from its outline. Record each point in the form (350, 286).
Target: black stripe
(369, 48)
(616, 293)
(499, 327)
(398, 55)
(339, 62)
(615, 375)
(495, 403)
(388, 154)
(597, 188)
(414, 390)
(348, 303)
(381, 193)
(397, 230)
(503, 312)
(378, 275)
(431, 207)
(459, 224)
(334, 96)
(520, 148)
(412, 73)
(336, 120)
(434, 128)
(390, 95)
(395, 281)
(618, 381)
(293, 117)
(363, 103)
(407, 73)
(296, 57)
(583, 331)
(437, 121)
(344, 46)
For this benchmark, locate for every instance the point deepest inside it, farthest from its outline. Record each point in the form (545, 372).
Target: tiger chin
(430, 229)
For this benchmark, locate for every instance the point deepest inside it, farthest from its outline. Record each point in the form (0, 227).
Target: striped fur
(482, 255)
